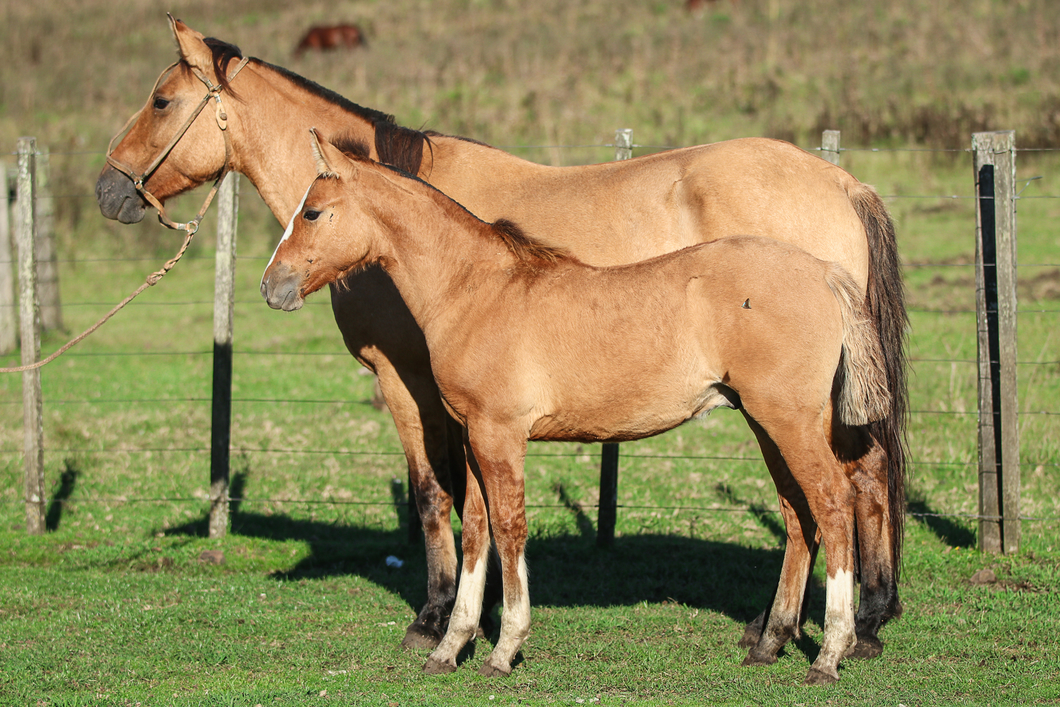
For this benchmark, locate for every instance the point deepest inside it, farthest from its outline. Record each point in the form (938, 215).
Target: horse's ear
(326, 155)
(191, 46)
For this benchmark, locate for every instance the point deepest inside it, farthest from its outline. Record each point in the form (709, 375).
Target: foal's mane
(526, 248)
(396, 145)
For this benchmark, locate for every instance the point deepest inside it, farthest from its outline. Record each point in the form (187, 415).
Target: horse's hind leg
(865, 463)
(831, 498)
(767, 634)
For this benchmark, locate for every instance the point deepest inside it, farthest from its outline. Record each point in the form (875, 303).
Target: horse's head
(328, 236)
(199, 154)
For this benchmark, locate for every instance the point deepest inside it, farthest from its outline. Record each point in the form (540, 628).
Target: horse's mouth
(118, 199)
(282, 293)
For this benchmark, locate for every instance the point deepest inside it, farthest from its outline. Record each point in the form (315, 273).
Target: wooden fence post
(29, 329)
(224, 295)
(51, 311)
(830, 146)
(8, 338)
(995, 275)
(607, 512)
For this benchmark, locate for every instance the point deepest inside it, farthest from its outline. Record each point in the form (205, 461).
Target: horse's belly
(622, 417)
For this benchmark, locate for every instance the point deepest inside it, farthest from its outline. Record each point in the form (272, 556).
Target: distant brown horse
(331, 37)
(528, 343)
(690, 195)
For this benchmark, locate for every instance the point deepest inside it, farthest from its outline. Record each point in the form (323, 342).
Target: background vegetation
(125, 601)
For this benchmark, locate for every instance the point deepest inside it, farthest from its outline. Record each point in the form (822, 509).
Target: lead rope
(152, 279)
(191, 227)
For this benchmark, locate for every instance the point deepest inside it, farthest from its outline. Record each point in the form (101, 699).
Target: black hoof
(867, 647)
(759, 658)
(437, 667)
(816, 677)
(492, 671)
(418, 637)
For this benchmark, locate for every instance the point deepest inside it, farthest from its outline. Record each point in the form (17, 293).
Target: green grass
(118, 604)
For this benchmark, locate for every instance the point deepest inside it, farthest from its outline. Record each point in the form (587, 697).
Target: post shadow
(948, 530)
(65, 489)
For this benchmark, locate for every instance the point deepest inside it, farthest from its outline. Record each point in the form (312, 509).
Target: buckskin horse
(612, 213)
(528, 343)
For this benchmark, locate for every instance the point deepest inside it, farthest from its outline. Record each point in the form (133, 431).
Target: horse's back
(623, 212)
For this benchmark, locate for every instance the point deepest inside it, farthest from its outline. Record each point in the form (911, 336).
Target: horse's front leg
(466, 611)
(380, 332)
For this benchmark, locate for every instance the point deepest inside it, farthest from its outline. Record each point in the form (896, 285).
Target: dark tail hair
(885, 302)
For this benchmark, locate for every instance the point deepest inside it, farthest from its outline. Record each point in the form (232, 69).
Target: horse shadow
(567, 570)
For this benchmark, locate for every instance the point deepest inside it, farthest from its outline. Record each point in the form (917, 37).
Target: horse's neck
(271, 142)
(438, 257)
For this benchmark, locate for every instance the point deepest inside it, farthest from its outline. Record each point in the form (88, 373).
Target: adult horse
(323, 37)
(528, 343)
(686, 196)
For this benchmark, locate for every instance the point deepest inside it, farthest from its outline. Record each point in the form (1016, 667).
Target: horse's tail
(885, 301)
(863, 395)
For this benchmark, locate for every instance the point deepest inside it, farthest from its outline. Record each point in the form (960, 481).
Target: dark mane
(350, 145)
(223, 53)
(395, 145)
(526, 248)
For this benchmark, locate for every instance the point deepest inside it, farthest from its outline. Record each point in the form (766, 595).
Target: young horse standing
(611, 214)
(527, 343)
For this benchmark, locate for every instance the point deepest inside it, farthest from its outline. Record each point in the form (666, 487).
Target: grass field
(125, 601)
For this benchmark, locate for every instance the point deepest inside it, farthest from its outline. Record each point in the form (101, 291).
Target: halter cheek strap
(213, 91)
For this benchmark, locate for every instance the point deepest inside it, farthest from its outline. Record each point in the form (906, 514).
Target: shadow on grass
(566, 571)
(948, 530)
(67, 482)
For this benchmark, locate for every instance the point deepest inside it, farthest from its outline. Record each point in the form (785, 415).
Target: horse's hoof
(816, 677)
(492, 671)
(437, 667)
(751, 634)
(418, 637)
(868, 647)
(757, 658)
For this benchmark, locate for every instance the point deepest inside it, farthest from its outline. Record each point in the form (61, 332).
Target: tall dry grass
(555, 72)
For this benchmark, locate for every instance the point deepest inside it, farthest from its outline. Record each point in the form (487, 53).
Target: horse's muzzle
(281, 287)
(118, 198)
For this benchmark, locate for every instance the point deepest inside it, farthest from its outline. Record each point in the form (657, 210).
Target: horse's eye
(311, 215)
(161, 103)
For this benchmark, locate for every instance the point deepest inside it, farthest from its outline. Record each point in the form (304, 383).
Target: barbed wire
(391, 503)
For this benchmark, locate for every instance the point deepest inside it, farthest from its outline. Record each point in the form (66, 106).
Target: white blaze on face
(287, 233)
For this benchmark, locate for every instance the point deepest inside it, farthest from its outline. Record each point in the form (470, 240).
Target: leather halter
(212, 92)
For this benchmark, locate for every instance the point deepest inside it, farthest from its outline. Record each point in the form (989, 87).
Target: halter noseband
(212, 91)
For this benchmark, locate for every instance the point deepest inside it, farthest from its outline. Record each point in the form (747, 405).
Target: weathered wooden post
(995, 280)
(8, 320)
(29, 330)
(830, 146)
(51, 311)
(607, 513)
(224, 297)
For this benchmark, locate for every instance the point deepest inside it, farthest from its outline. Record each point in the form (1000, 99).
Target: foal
(528, 343)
